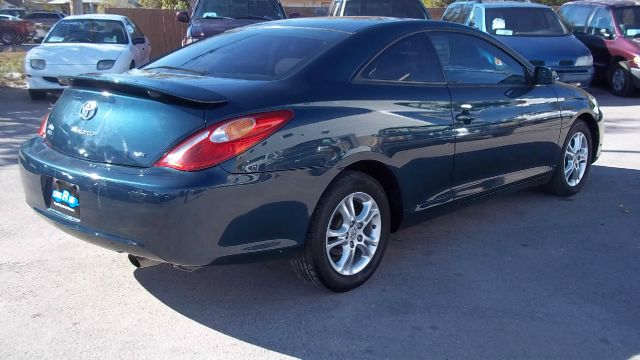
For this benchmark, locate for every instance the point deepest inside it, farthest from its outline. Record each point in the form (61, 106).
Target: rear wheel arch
(389, 183)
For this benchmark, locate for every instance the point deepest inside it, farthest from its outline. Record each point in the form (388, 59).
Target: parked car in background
(44, 17)
(413, 9)
(14, 31)
(17, 12)
(611, 29)
(43, 21)
(534, 30)
(311, 137)
(212, 17)
(85, 44)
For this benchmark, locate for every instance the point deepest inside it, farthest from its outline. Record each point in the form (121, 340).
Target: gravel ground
(519, 276)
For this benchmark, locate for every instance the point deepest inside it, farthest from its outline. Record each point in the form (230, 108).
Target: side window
(470, 60)
(476, 18)
(133, 29)
(410, 59)
(576, 16)
(601, 24)
(458, 13)
(334, 10)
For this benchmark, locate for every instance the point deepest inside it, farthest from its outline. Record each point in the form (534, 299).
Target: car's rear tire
(341, 252)
(37, 94)
(621, 81)
(574, 162)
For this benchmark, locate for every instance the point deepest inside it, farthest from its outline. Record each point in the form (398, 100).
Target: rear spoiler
(152, 85)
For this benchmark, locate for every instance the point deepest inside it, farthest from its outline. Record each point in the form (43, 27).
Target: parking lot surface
(518, 276)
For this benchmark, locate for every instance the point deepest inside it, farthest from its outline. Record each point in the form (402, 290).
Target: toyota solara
(314, 138)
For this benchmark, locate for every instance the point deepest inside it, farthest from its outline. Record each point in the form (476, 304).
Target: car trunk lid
(126, 120)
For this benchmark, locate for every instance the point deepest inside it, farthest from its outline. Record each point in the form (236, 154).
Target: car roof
(353, 24)
(511, 4)
(606, 3)
(96, 17)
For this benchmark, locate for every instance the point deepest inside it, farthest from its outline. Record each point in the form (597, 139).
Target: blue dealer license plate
(65, 198)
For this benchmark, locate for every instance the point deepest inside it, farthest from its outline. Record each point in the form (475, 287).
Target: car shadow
(19, 121)
(520, 275)
(607, 98)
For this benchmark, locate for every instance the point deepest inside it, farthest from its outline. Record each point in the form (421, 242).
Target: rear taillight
(42, 131)
(223, 141)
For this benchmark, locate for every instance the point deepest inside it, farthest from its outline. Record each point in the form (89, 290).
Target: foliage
(151, 4)
(165, 4)
(444, 3)
(175, 4)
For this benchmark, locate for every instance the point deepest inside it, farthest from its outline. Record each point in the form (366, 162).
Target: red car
(14, 31)
(611, 30)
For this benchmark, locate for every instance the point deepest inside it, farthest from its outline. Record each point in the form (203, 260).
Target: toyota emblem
(88, 110)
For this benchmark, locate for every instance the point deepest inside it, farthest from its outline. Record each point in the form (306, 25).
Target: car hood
(76, 54)
(550, 49)
(210, 27)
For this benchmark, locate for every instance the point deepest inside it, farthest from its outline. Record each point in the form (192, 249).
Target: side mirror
(604, 33)
(544, 76)
(139, 40)
(182, 16)
(294, 15)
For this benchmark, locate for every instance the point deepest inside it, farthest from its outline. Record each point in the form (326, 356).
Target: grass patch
(12, 68)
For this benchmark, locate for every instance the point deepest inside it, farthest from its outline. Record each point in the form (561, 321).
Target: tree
(151, 4)
(165, 4)
(175, 4)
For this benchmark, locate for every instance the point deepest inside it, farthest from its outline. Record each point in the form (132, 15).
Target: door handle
(465, 117)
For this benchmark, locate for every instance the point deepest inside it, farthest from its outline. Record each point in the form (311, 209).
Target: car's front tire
(37, 94)
(621, 81)
(347, 235)
(574, 164)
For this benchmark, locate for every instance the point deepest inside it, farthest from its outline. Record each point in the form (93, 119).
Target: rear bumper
(578, 76)
(188, 219)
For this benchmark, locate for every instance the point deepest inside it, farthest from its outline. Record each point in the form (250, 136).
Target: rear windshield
(88, 31)
(258, 53)
(628, 18)
(239, 9)
(392, 8)
(524, 21)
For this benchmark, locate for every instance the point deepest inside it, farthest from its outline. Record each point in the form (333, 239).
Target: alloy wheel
(353, 233)
(575, 159)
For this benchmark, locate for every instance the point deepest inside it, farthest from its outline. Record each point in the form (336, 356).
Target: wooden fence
(160, 26)
(166, 34)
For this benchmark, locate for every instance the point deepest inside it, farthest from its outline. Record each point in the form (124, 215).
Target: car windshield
(239, 9)
(628, 18)
(88, 31)
(524, 21)
(252, 54)
(392, 8)
(12, 12)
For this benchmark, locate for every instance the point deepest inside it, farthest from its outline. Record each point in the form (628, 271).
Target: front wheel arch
(595, 132)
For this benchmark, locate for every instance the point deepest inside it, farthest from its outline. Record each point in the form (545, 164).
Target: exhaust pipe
(140, 262)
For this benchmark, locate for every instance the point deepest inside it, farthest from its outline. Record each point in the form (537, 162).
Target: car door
(506, 129)
(404, 94)
(577, 16)
(600, 33)
(141, 50)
